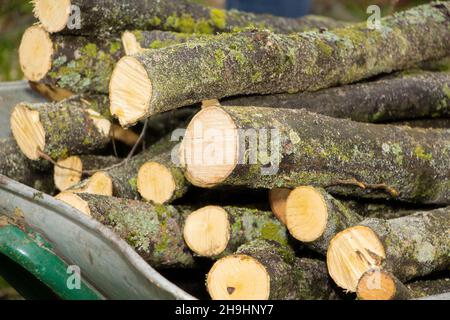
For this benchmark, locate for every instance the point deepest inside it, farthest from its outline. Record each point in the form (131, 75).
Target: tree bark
(15, 165)
(400, 97)
(262, 62)
(423, 288)
(113, 16)
(415, 245)
(345, 157)
(70, 127)
(154, 231)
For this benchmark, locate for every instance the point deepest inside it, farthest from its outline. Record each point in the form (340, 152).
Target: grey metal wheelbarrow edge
(106, 262)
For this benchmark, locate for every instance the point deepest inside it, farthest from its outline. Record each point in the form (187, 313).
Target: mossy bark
(415, 245)
(124, 177)
(155, 231)
(393, 98)
(69, 128)
(345, 157)
(248, 224)
(82, 64)
(262, 62)
(423, 288)
(339, 218)
(443, 123)
(109, 17)
(16, 166)
(290, 277)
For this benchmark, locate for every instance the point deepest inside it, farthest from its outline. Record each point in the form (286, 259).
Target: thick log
(215, 231)
(408, 247)
(378, 284)
(60, 129)
(155, 231)
(262, 62)
(410, 95)
(267, 270)
(15, 165)
(76, 64)
(113, 16)
(69, 172)
(314, 217)
(345, 157)
(443, 123)
(161, 180)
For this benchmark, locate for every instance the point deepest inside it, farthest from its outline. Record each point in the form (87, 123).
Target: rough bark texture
(82, 64)
(262, 62)
(313, 281)
(113, 16)
(69, 128)
(155, 231)
(124, 177)
(251, 224)
(403, 96)
(426, 123)
(290, 277)
(405, 163)
(423, 288)
(157, 39)
(340, 217)
(15, 165)
(415, 245)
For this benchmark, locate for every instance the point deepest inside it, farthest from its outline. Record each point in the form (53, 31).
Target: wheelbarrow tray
(106, 262)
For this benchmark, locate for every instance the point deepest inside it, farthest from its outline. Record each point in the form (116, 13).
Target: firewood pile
(294, 158)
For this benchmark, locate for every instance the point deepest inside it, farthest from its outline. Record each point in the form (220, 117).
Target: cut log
(99, 183)
(76, 64)
(408, 247)
(59, 129)
(426, 123)
(277, 201)
(215, 231)
(111, 17)
(345, 157)
(407, 95)
(261, 62)
(262, 270)
(51, 93)
(124, 177)
(378, 284)
(162, 180)
(154, 231)
(313, 216)
(68, 172)
(15, 165)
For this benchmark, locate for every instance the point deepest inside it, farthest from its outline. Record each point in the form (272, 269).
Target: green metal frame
(34, 269)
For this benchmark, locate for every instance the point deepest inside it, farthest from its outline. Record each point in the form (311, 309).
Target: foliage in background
(15, 17)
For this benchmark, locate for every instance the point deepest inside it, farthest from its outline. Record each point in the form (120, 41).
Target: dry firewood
(161, 180)
(111, 17)
(345, 157)
(99, 183)
(408, 247)
(215, 231)
(76, 64)
(68, 172)
(155, 231)
(378, 284)
(403, 96)
(15, 165)
(438, 123)
(267, 270)
(51, 93)
(58, 130)
(313, 216)
(261, 62)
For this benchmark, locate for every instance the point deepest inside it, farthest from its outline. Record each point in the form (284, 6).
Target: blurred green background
(16, 16)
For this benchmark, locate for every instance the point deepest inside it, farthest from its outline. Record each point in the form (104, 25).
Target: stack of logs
(346, 127)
